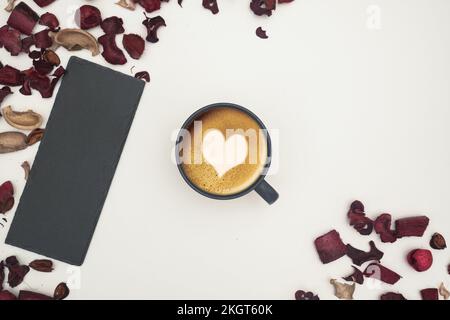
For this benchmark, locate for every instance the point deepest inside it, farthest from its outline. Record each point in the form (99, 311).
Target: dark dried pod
(302, 295)
(35, 136)
(51, 57)
(438, 242)
(30, 295)
(211, 5)
(261, 33)
(143, 75)
(392, 296)
(41, 265)
(61, 291)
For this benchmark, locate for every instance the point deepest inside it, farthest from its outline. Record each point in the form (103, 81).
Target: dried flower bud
(438, 242)
(35, 136)
(43, 265)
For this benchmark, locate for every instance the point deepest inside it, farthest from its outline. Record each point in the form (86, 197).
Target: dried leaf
(343, 290)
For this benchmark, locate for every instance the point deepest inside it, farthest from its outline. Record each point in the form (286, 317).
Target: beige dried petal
(342, 290)
(10, 5)
(443, 291)
(127, 4)
(26, 168)
(12, 141)
(75, 39)
(27, 120)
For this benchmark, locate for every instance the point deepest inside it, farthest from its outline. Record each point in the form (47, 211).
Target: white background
(362, 114)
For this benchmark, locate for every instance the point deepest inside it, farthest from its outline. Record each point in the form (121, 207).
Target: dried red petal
(261, 33)
(111, 52)
(41, 265)
(152, 25)
(285, 1)
(211, 5)
(5, 295)
(358, 219)
(43, 3)
(150, 5)
(4, 92)
(42, 40)
(357, 276)
(420, 259)
(262, 7)
(17, 272)
(112, 25)
(10, 76)
(23, 18)
(330, 247)
(27, 42)
(88, 17)
(429, 294)
(382, 226)
(49, 20)
(302, 295)
(29, 295)
(392, 296)
(411, 227)
(6, 197)
(10, 39)
(143, 75)
(134, 45)
(359, 257)
(2, 274)
(40, 82)
(377, 271)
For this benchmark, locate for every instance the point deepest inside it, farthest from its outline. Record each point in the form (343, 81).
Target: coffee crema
(228, 121)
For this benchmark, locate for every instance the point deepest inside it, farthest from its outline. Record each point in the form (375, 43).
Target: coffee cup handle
(266, 192)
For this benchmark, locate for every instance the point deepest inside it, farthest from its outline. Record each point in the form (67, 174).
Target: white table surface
(362, 113)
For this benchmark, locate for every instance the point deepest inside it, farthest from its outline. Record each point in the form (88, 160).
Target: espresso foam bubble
(240, 177)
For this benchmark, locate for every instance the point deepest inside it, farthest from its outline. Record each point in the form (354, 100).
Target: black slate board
(76, 161)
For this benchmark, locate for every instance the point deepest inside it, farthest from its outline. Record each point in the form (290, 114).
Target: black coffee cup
(261, 186)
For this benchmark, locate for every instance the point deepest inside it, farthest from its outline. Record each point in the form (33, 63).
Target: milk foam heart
(223, 154)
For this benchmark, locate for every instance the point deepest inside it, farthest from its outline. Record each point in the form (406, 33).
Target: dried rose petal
(382, 226)
(211, 5)
(43, 3)
(35, 136)
(42, 40)
(17, 272)
(357, 276)
(143, 75)
(262, 7)
(112, 25)
(152, 25)
(302, 295)
(111, 52)
(6, 197)
(448, 269)
(261, 33)
(10, 39)
(41, 265)
(61, 291)
(42, 67)
(358, 219)
(392, 296)
(359, 257)
(5, 295)
(150, 5)
(411, 227)
(51, 57)
(429, 294)
(420, 259)
(49, 20)
(438, 241)
(27, 42)
(379, 272)
(29, 295)
(23, 18)
(10, 76)
(4, 92)
(134, 45)
(330, 247)
(88, 17)
(2, 274)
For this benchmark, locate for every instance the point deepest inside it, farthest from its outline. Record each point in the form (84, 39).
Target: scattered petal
(111, 52)
(211, 5)
(61, 291)
(429, 294)
(6, 201)
(42, 40)
(10, 39)
(150, 5)
(359, 257)
(143, 75)
(343, 290)
(262, 7)
(49, 20)
(330, 247)
(4, 92)
(5, 295)
(411, 227)
(87, 17)
(112, 25)
(379, 272)
(357, 276)
(17, 272)
(438, 241)
(134, 45)
(261, 33)
(152, 25)
(392, 296)
(10, 76)
(358, 219)
(29, 295)
(43, 3)
(420, 259)
(23, 19)
(382, 227)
